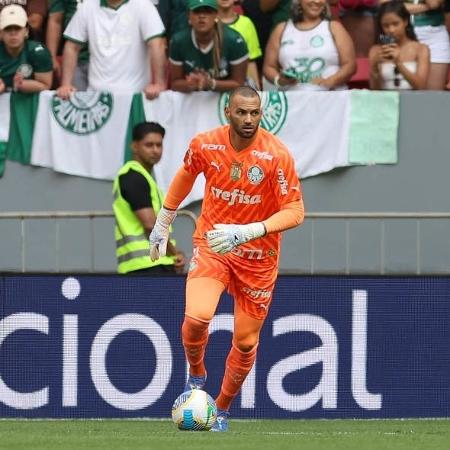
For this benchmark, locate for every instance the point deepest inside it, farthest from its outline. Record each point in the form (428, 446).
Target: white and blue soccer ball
(194, 410)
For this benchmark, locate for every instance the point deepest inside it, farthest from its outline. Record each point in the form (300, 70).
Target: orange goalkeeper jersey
(243, 187)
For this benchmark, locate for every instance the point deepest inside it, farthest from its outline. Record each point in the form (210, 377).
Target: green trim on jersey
(104, 4)
(68, 38)
(434, 18)
(154, 37)
(184, 51)
(34, 58)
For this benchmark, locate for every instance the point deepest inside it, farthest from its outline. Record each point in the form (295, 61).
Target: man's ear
(227, 112)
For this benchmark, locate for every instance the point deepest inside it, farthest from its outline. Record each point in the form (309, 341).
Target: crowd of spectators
(190, 45)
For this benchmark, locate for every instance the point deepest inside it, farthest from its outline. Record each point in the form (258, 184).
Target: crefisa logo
(84, 112)
(274, 105)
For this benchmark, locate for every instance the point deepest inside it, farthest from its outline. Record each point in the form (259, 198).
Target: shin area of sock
(194, 333)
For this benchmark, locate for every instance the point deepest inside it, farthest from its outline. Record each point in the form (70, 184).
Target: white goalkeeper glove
(225, 237)
(160, 233)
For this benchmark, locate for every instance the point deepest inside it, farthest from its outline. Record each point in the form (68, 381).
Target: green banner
(22, 119)
(374, 122)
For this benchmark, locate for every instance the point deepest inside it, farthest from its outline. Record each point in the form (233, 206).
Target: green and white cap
(195, 4)
(13, 15)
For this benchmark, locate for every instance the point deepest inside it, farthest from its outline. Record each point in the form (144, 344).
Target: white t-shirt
(117, 40)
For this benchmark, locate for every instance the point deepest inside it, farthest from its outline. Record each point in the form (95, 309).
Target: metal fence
(312, 218)
(56, 216)
(382, 218)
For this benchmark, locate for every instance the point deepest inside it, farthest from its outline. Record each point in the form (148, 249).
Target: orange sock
(237, 367)
(194, 333)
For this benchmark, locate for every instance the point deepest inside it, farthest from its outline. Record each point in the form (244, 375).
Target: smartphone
(386, 39)
(289, 74)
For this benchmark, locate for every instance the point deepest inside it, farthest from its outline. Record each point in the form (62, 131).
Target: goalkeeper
(252, 194)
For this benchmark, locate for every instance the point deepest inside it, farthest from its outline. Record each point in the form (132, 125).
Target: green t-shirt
(244, 26)
(69, 8)
(434, 18)
(184, 51)
(281, 13)
(33, 58)
(174, 14)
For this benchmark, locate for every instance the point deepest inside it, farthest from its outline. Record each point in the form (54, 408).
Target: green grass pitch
(243, 435)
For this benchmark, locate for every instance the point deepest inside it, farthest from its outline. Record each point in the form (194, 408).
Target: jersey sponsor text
(236, 196)
(262, 155)
(282, 182)
(260, 293)
(213, 147)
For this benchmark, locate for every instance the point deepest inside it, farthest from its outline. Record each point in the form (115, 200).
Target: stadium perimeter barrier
(88, 346)
(422, 242)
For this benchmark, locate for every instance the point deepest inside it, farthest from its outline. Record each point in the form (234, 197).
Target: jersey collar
(203, 50)
(104, 4)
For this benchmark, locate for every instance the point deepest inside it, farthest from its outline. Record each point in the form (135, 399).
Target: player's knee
(246, 344)
(193, 328)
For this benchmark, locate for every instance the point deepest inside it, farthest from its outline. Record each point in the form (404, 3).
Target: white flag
(82, 136)
(313, 125)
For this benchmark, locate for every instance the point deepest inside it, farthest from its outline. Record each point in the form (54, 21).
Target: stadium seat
(361, 78)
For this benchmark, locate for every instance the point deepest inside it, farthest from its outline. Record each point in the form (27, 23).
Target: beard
(246, 134)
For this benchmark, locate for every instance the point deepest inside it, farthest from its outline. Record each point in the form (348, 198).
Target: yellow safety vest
(132, 246)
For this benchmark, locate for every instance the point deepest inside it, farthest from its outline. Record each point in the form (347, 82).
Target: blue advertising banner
(332, 347)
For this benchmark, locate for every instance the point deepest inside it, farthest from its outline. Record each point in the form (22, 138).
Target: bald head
(244, 114)
(243, 91)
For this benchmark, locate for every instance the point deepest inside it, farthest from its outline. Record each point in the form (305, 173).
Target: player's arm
(287, 193)
(290, 216)
(179, 188)
(225, 237)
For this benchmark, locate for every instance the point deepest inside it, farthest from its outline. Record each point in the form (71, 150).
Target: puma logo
(216, 165)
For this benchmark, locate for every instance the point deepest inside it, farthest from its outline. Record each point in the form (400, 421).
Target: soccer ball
(194, 410)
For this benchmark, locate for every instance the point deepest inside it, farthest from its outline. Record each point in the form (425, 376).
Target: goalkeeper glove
(225, 237)
(160, 233)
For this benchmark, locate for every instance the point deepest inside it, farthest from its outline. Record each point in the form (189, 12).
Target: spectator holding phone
(309, 51)
(399, 61)
(429, 25)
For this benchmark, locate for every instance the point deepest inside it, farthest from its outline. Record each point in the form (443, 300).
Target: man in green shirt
(25, 65)
(60, 13)
(174, 14)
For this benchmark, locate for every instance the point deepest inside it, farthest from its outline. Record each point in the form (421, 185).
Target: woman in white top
(309, 51)
(399, 61)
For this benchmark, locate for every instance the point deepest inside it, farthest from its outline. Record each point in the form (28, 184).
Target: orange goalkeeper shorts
(249, 281)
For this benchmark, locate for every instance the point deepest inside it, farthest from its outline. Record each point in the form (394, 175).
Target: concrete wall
(419, 182)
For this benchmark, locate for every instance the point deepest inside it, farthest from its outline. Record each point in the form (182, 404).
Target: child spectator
(428, 21)
(399, 61)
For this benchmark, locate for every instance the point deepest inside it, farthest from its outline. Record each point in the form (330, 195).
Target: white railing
(55, 215)
(382, 217)
(311, 217)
